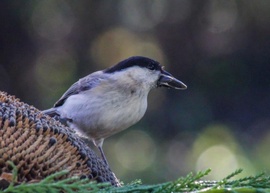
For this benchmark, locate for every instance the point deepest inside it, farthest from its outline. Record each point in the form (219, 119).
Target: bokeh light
(135, 150)
(132, 153)
(261, 13)
(54, 72)
(260, 152)
(217, 148)
(118, 44)
(144, 14)
(52, 20)
(220, 159)
(220, 16)
(176, 154)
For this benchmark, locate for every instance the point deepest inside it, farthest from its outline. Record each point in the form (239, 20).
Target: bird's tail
(52, 112)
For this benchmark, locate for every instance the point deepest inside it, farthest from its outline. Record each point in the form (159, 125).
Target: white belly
(101, 116)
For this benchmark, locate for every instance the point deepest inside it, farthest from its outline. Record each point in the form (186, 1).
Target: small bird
(111, 100)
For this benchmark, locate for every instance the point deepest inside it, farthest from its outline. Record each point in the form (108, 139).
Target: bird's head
(146, 72)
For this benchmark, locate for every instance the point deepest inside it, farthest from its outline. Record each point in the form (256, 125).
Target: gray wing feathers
(83, 84)
(74, 89)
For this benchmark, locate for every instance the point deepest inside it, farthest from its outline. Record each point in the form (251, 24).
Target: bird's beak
(167, 80)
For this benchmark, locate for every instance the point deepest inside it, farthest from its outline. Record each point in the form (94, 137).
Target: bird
(108, 101)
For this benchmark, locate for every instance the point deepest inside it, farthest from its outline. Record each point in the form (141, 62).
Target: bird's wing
(74, 89)
(83, 84)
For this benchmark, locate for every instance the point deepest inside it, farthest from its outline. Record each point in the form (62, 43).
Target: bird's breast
(122, 113)
(102, 115)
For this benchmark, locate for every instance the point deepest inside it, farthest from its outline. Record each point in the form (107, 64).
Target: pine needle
(190, 183)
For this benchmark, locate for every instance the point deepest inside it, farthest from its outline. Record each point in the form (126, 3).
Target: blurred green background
(219, 48)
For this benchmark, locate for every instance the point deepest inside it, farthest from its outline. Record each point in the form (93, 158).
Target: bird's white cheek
(152, 79)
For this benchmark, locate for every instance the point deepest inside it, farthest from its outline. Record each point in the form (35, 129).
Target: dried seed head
(39, 146)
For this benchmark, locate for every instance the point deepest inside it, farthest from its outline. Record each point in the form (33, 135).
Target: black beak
(167, 80)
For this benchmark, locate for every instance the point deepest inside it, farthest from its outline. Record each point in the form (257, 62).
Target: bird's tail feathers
(52, 112)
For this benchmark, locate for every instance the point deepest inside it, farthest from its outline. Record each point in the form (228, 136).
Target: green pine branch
(190, 183)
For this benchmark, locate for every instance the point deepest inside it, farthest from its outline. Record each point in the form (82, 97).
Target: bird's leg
(103, 155)
(98, 143)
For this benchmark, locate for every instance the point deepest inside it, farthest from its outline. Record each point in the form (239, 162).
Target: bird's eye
(151, 66)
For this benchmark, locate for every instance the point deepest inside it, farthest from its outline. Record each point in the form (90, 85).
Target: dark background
(219, 48)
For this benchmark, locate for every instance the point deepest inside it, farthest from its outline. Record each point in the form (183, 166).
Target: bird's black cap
(134, 61)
